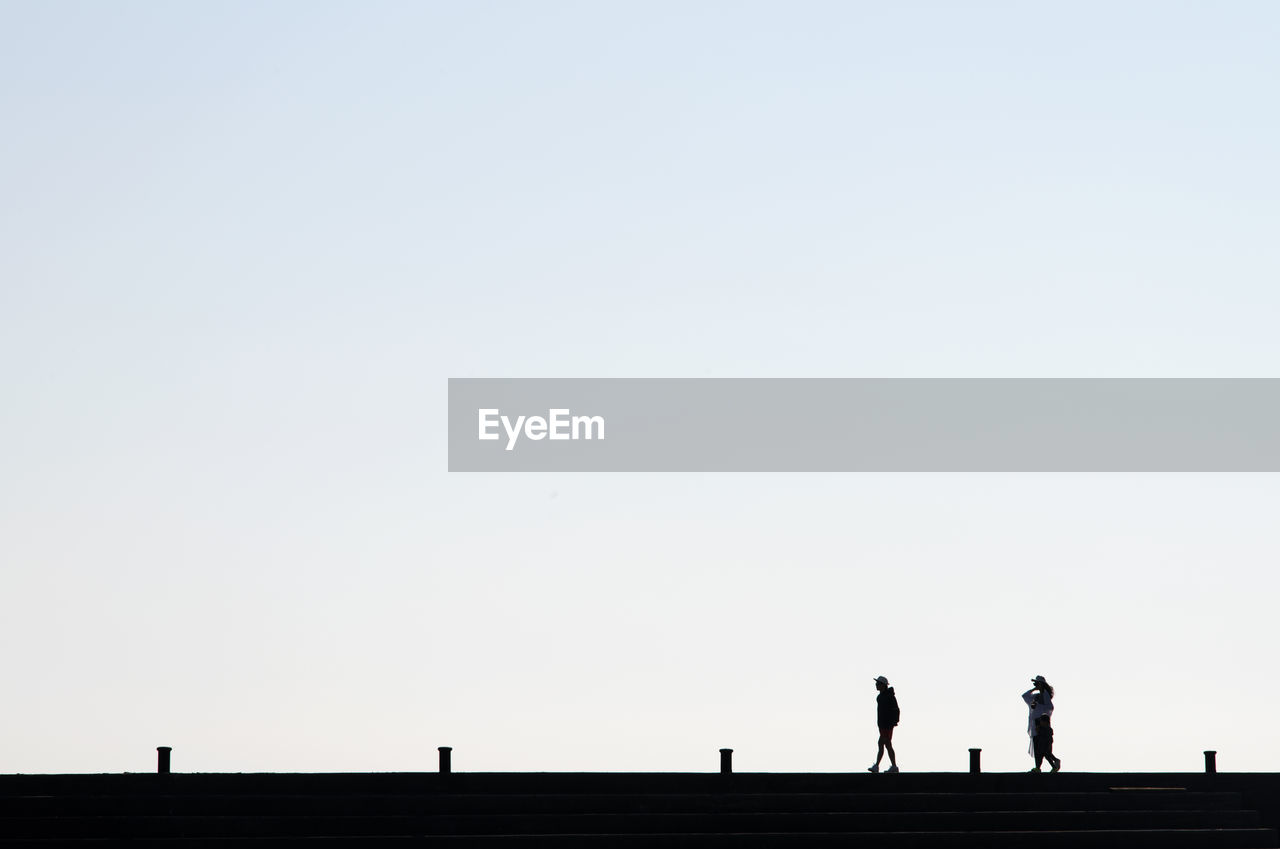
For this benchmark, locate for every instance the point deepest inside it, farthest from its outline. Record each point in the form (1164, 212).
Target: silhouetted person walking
(1039, 700)
(887, 715)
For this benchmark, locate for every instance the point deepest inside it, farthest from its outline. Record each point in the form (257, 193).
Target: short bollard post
(162, 759)
(1210, 760)
(726, 761)
(446, 759)
(975, 761)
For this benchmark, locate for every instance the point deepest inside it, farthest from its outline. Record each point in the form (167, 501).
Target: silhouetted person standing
(887, 715)
(1039, 700)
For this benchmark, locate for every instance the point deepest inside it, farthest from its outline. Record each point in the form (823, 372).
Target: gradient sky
(243, 246)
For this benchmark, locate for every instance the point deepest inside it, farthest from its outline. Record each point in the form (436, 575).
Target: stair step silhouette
(470, 812)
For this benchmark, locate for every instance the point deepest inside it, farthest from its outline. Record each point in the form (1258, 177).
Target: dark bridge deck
(625, 809)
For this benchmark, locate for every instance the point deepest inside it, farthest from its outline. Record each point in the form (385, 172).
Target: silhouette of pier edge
(723, 807)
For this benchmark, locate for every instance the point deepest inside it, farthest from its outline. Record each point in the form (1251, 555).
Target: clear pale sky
(244, 245)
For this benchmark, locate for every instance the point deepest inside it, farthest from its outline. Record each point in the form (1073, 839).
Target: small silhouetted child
(1043, 743)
